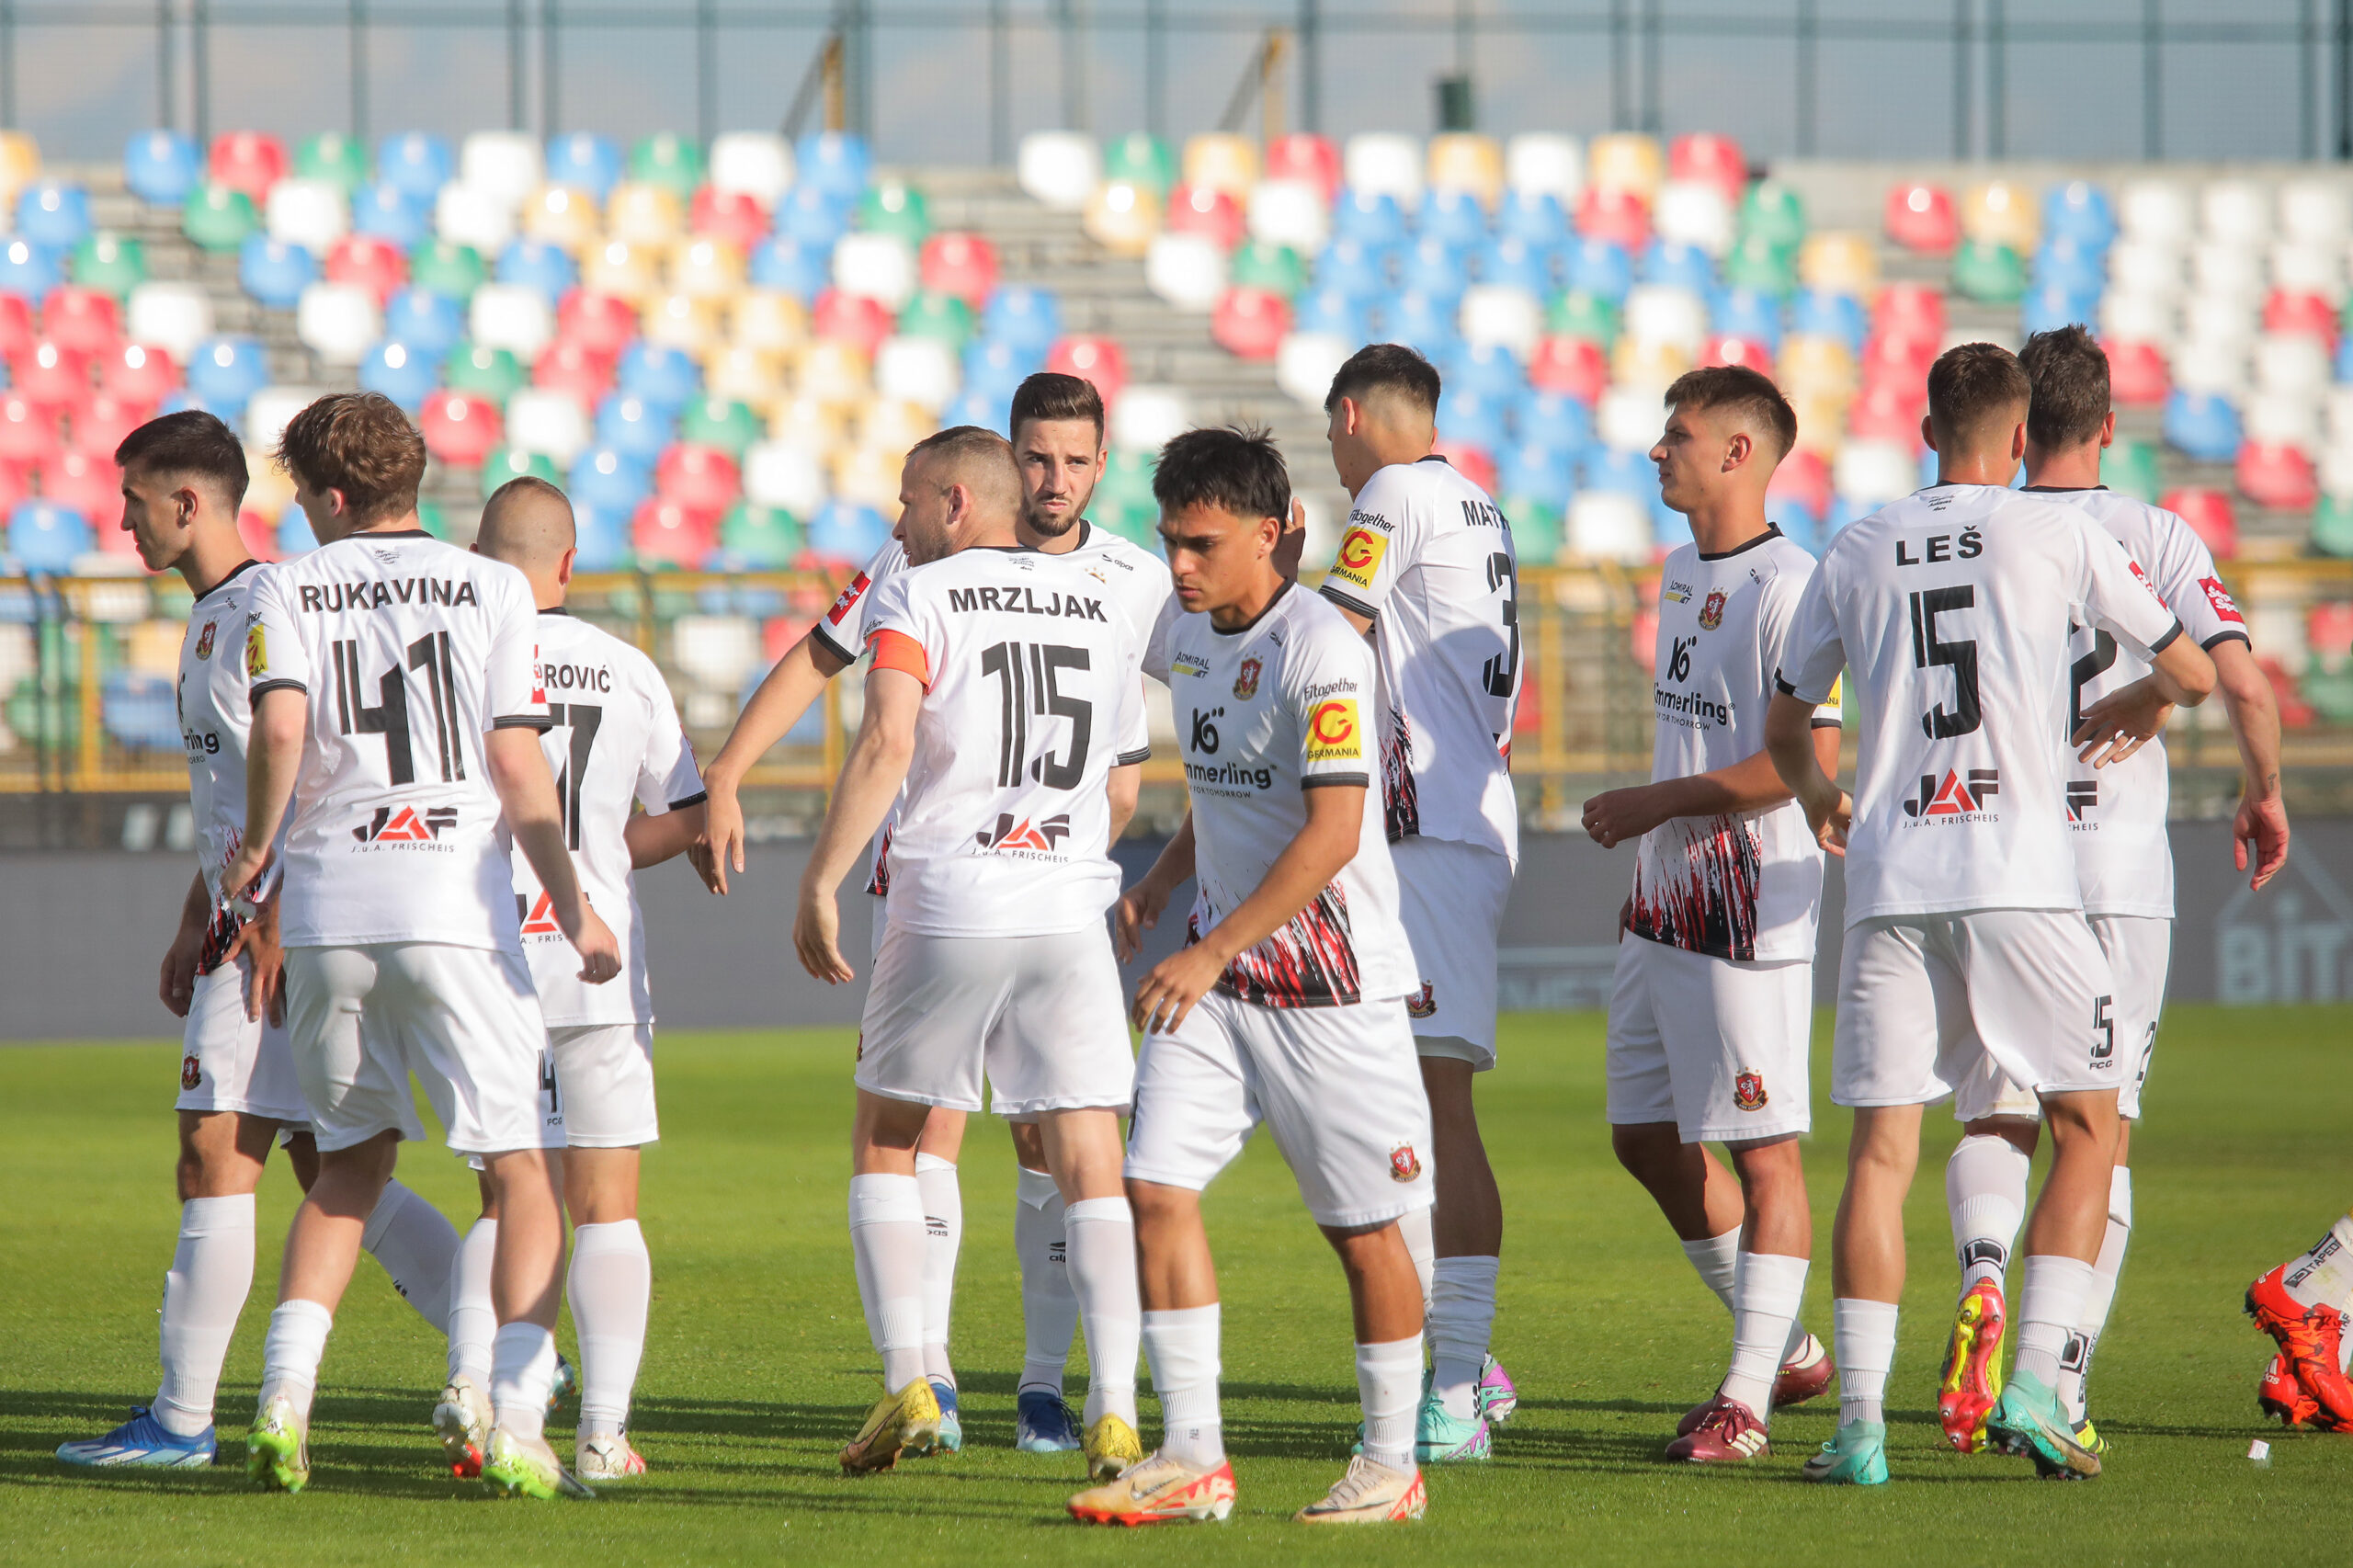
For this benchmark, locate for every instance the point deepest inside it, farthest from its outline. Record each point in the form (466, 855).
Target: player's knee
(1647, 1150)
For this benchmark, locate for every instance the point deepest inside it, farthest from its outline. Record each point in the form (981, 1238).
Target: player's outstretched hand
(1176, 982)
(720, 843)
(2122, 723)
(1616, 816)
(1137, 911)
(1830, 821)
(816, 932)
(2260, 825)
(256, 939)
(600, 949)
(178, 984)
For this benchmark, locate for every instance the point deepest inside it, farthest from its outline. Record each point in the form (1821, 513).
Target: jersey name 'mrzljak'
(1948, 610)
(1427, 558)
(615, 739)
(1004, 826)
(1743, 885)
(2118, 812)
(215, 717)
(409, 650)
(1265, 714)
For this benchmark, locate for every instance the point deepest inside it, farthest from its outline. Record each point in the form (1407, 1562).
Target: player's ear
(564, 567)
(1739, 449)
(2107, 430)
(1928, 432)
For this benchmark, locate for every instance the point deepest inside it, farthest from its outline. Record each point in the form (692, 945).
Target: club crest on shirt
(204, 640)
(1748, 1091)
(191, 1070)
(1403, 1163)
(1712, 614)
(1245, 681)
(1422, 1003)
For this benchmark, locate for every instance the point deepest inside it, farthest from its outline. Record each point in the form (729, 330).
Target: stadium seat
(895, 208)
(2225, 269)
(793, 267)
(512, 462)
(2210, 515)
(544, 269)
(1140, 158)
(268, 410)
(1490, 369)
(1370, 218)
(2137, 376)
(2079, 210)
(83, 321)
(1752, 353)
(2131, 467)
(833, 160)
(161, 167)
(334, 158)
(583, 160)
(1989, 271)
(1607, 526)
(1302, 155)
(2048, 306)
(1122, 217)
(1581, 313)
(468, 215)
(1625, 161)
(937, 315)
(635, 428)
(2001, 212)
(1305, 363)
(1710, 159)
(961, 264)
(2307, 268)
(1533, 217)
(275, 271)
(783, 476)
(994, 368)
(852, 319)
(1383, 164)
(1614, 213)
(1868, 474)
(703, 479)
(1839, 262)
(2159, 210)
(603, 325)
(2333, 535)
(566, 217)
(1203, 211)
(246, 161)
(1811, 361)
(1695, 213)
(551, 421)
(668, 160)
(2235, 211)
(460, 428)
(1887, 413)
(391, 214)
(753, 538)
(2293, 363)
(1250, 323)
(102, 422)
(53, 212)
(1597, 266)
(2277, 474)
(1747, 314)
(86, 482)
(1679, 266)
(1539, 469)
(1023, 316)
(1544, 162)
(485, 370)
(2146, 267)
(2202, 423)
(603, 536)
(415, 162)
(1802, 482)
(1575, 366)
(370, 262)
(139, 374)
(608, 481)
(228, 372)
(1097, 360)
(1292, 214)
(1254, 263)
(50, 377)
(175, 317)
(922, 370)
(734, 217)
(1474, 463)
(400, 373)
(1512, 260)
(881, 267)
(2306, 315)
(503, 165)
(46, 537)
(836, 374)
(1664, 313)
(1423, 321)
(1469, 165)
(2315, 212)
(707, 268)
(640, 214)
(1759, 264)
(428, 323)
(1147, 417)
(218, 217)
(848, 532)
(1060, 169)
(727, 424)
(619, 268)
(767, 319)
(669, 377)
(313, 213)
(1432, 265)
(446, 268)
(1628, 419)
(1452, 217)
(28, 434)
(109, 261)
(1502, 314)
(665, 534)
(512, 317)
(754, 164)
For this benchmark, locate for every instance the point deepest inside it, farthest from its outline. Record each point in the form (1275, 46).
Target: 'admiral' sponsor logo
(848, 599)
(2219, 600)
(1245, 682)
(1954, 800)
(1359, 557)
(204, 640)
(2082, 797)
(1676, 593)
(1712, 614)
(1333, 731)
(405, 826)
(1188, 665)
(1018, 834)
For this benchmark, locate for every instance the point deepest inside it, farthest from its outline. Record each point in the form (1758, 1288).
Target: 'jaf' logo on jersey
(1712, 614)
(1333, 732)
(204, 640)
(1359, 557)
(1954, 799)
(1245, 680)
(539, 921)
(405, 826)
(1748, 1091)
(1012, 833)
(2082, 797)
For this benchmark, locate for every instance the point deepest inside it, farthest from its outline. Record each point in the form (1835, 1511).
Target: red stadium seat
(1903, 355)
(1920, 217)
(16, 332)
(2289, 310)
(1203, 211)
(960, 264)
(1912, 308)
(28, 432)
(2275, 474)
(735, 216)
(851, 318)
(2137, 375)
(84, 320)
(1615, 213)
(51, 376)
(1888, 411)
(88, 481)
(1571, 366)
(1097, 360)
(604, 322)
(2210, 515)
(371, 262)
(250, 161)
(1306, 156)
(779, 634)
(259, 534)
(666, 532)
(701, 479)
(1803, 480)
(1712, 160)
(1745, 351)
(1249, 322)
(579, 369)
(99, 425)
(138, 373)
(460, 428)
(1472, 463)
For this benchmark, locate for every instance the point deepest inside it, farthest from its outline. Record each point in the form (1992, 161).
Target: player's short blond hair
(980, 459)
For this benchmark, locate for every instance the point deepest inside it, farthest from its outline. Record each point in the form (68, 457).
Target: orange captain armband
(897, 651)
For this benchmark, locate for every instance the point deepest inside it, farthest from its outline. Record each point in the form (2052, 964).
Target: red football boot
(2281, 1396)
(2310, 1341)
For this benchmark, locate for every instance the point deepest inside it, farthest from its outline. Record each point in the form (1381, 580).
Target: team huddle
(422, 789)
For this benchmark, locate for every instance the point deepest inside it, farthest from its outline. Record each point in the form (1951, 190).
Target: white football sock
(1182, 1347)
(291, 1352)
(473, 1322)
(1049, 1308)
(2075, 1364)
(2323, 1274)
(1103, 1277)
(418, 1247)
(212, 1270)
(1461, 1317)
(1865, 1335)
(2049, 1305)
(888, 1235)
(1766, 1296)
(1421, 1245)
(611, 1290)
(1389, 1382)
(1717, 1259)
(522, 1375)
(1985, 1196)
(943, 1209)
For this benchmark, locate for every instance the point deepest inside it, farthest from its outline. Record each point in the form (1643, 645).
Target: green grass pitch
(758, 1368)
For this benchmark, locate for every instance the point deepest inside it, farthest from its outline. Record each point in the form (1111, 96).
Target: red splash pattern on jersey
(1401, 808)
(878, 884)
(1311, 962)
(1706, 901)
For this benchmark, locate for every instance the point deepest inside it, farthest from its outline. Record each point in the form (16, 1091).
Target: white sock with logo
(212, 1271)
(1766, 1295)
(1985, 1184)
(1389, 1384)
(1103, 1277)
(290, 1353)
(943, 1209)
(2049, 1305)
(473, 1322)
(1048, 1307)
(2075, 1364)
(1865, 1335)
(887, 1232)
(1717, 1261)
(1462, 1318)
(610, 1287)
(2323, 1274)
(418, 1247)
(1181, 1344)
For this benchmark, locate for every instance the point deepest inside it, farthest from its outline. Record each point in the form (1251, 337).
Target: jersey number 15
(1026, 685)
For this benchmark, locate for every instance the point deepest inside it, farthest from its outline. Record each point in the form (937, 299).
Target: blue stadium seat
(635, 428)
(405, 375)
(226, 371)
(2203, 425)
(1424, 320)
(587, 160)
(430, 323)
(2344, 358)
(994, 368)
(389, 212)
(610, 481)
(1025, 316)
(46, 537)
(2079, 210)
(416, 162)
(1330, 310)
(1534, 216)
(294, 536)
(1372, 218)
(1431, 266)
(538, 266)
(275, 271)
(1821, 313)
(845, 530)
(1621, 472)
(162, 166)
(1685, 266)
(141, 710)
(28, 269)
(179, 400)
(53, 212)
(793, 266)
(836, 162)
(973, 405)
(601, 534)
(664, 376)
(1356, 269)
(1519, 262)
(1555, 421)
(1490, 370)
(1597, 266)
(1669, 527)
(1452, 215)
(2052, 303)
(2063, 258)
(1749, 313)
(1466, 416)
(814, 216)
(1538, 470)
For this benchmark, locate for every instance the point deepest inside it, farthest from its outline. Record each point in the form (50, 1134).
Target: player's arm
(1796, 751)
(273, 758)
(1306, 868)
(1749, 785)
(2180, 675)
(177, 985)
(654, 839)
(2261, 824)
(783, 696)
(518, 772)
(870, 777)
(1140, 907)
(1123, 787)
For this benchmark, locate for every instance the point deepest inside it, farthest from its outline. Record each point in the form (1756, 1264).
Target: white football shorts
(1450, 897)
(604, 1078)
(1924, 999)
(464, 1020)
(229, 1061)
(1719, 1048)
(2140, 954)
(1339, 1088)
(1040, 1017)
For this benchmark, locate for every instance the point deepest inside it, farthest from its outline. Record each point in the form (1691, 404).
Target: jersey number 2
(1026, 684)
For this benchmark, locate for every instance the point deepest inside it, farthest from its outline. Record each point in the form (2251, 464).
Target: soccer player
(1427, 568)
(2302, 1305)
(397, 708)
(1712, 1013)
(615, 740)
(1965, 936)
(1057, 423)
(1287, 1004)
(183, 479)
(1004, 681)
(2115, 817)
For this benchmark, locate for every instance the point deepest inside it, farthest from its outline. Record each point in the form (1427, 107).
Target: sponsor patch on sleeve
(2219, 599)
(1359, 557)
(1333, 731)
(2145, 582)
(256, 650)
(849, 600)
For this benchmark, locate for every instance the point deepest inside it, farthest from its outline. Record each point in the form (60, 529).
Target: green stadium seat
(454, 271)
(1535, 528)
(1579, 313)
(2332, 525)
(432, 518)
(494, 373)
(509, 462)
(1990, 273)
(331, 156)
(722, 421)
(1774, 213)
(667, 159)
(1759, 262)
(2129, 468)
(893, 207)
(218, 218)
(759, 538)
(933, 314)
(1143, 160)
(1277, 268)
(110, 262)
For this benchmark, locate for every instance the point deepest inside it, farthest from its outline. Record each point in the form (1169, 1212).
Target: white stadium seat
(272, 409)
(2144, 266)
(718, 652)
(2236, 211)
(2219, 318)
(2310, 266)
(1868, 474)
(758, 163)
(338, 322)
(1148, 415)
(786, 474)
(1060, 169)
(876, 266)
(2224, 267)
(505, 164)
(2132, 317)
(1628, 419)
(1187, 270)
(2288, 419)
(311, 214)
(470, 215)
(2336, 470)
(2206, 365)
(1305, 363)
(1384, 164)
(511, 316)
(1663, 312)
(1501, 313)
(918, 370)
(2161, 211)
(1691, 212)
(1290, 212)
(1541, 161)
(1605, 526)
(2293, 364)
(2337, 414)
(549, 422)
(174, 317)
(2316, 211)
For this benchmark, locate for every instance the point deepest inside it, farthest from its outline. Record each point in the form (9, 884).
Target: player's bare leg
(611, 1286)
(1083, 1152)
(1467, 1232)
(888, 1232)
(1985, 1194)
(943, 1213)
(1042, 1423)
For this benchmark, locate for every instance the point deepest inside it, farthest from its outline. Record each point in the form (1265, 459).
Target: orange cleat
(1972, 1384)
(1159, 1490)
(2281, 1396)
(2309, 1342)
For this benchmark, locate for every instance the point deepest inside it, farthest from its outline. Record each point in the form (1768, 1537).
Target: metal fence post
(166, 89)
(1310, 66)
(551, 71)
(8, 63)
(357, 25)
(1651, 43)
(1997, 81)
(706, 71)
(517, 112)
(199, 40)
(1962, 86)
(1000, 85)
(1620, 112)
(1806, 46)
(2152, 78)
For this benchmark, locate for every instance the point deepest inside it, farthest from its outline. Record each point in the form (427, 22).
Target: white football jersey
(1428, 557)
(408, 649)
(2117, 813)
(1744, 885)
(616, 740)
(215, 717)
(1267, 713)
(1948, 610)
(1004, 825)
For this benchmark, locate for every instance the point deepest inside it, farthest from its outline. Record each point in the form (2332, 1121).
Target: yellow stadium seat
(770, 319)
(2002, 212)
(1122, 216)
(1459, 161)
(154, 647)
(707, 268)
(745, 374)
(833, 373)
(1626, 161)
(565, 216)
(681, 321)
(1222, 161)
(871, 475)
(801, 420)
(269, 490)
(1840, 262)
(893, 424)
(1812, 363)
(20, 161)
(644, 214)
(1652, 364)
(1821, 421)
(620, 268)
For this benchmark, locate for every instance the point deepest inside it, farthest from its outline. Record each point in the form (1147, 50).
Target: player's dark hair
(1386, 367)
(977, 458)
(2068, 370)
(361, 444)
(1971, 383)
(1237, 468)
(1050, 394)
(190, 442)
(1746, 393)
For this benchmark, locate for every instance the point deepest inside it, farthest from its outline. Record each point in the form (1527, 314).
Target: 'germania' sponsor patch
(1333, 732)
(1359, 557)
